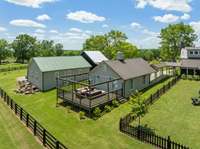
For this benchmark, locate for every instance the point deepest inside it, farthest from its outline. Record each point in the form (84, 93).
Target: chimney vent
(120, 56)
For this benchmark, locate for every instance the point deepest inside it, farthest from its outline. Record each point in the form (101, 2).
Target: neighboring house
(134, 74)
(190, 53)
(190, 61)
(94, 57)
(190, 66)
(42, 71)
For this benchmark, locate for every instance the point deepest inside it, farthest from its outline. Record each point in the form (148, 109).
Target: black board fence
(144, 135)
(13, 68)
(46, 138)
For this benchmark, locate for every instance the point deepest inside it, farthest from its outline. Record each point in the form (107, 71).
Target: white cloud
(43, 17)
(85, 17)
(185, 16)
(54, 31)
(136, 25)
(2, 29)
(167, 18)
(105, 26)
(177, 5)
(26, 23)
(150, 33)
(41, 31)
(75, 30)
(196, 26)
(30, 3)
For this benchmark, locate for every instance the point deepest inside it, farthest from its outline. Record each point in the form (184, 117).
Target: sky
(71, 22)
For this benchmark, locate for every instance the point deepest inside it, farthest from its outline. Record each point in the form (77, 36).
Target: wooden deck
(85, 103)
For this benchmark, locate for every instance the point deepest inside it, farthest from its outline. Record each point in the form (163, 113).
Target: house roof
(95, 56)
(130, 68)
(190, 63)
(192, 48)
(165, 64)
(46, 64)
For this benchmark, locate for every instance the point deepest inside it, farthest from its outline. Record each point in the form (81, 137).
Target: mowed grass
(74, 133)
(174, 115)
(13, 132)
(10, 65)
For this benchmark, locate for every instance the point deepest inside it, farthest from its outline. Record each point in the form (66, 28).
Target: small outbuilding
(42, 71)
(94, 57)
(133, 74)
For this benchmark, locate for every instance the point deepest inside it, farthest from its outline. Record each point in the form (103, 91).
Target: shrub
(97, 112)
(115, 103)
(107, 108)
(82, 115)
(183, 76)
(196, 78)
(190, 77)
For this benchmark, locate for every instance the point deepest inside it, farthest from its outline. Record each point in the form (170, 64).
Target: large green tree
(4, 50)
(110, 43)
(173, 38)
(25, 47)
(59, 49)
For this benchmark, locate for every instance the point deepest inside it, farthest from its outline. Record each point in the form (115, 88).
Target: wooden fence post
(44, 137)
(21, 113)
(27, 119)
(35, 127)
(11, 104)
(168, 143)
(138, 132)
(57, 145)
(15, 108)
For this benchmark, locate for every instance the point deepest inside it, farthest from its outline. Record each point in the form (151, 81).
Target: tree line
(173, 38)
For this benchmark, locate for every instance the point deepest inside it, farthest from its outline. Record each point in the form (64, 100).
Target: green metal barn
(42, 71)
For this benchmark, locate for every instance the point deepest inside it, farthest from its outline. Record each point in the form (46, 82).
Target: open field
(67, 127)
(13, 133)
(174, 115)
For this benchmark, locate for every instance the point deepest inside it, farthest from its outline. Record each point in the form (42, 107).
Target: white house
(190, 53)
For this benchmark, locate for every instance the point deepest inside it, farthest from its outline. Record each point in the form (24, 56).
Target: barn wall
(103, 73)
(50, 77)
(34, 74)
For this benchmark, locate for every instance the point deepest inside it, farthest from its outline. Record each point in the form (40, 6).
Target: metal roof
(46, 64)
(130, 68)
(95, 56)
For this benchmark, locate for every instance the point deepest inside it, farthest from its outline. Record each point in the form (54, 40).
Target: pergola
(78, 91)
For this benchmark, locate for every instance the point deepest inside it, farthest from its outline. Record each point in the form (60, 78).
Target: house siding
(138, 84)
(103, 73)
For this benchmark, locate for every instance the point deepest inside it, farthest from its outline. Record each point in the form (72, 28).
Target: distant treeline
(173, 38)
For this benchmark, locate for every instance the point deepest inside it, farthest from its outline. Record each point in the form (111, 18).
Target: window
(191, 52)
(144, 79)
(196, 52)
(131, 83)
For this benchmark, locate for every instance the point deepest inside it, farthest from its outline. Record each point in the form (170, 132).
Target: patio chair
(195, 101)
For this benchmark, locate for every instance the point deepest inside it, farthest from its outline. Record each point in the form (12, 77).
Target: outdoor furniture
(195, 101)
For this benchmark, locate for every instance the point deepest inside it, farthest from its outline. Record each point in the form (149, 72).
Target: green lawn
(75, 134)
(9, 65)
(13, 132)
(174, 115)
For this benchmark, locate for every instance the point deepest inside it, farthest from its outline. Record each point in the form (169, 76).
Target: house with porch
(190, 61)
